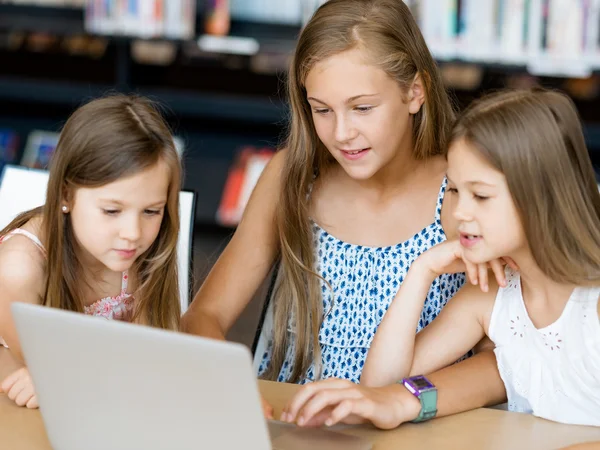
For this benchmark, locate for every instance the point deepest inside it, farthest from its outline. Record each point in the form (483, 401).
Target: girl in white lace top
(524, 187)
(104, 243)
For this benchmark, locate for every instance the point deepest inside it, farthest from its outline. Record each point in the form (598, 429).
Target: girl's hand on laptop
(334, 401)
(267, 408)
(18, 386)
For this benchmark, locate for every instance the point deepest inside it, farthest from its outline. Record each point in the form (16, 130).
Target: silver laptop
(112, 385)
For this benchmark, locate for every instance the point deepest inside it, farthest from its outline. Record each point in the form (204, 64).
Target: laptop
(112, 385)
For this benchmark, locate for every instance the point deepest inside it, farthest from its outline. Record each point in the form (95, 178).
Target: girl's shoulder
(23, 257)
(22, 265)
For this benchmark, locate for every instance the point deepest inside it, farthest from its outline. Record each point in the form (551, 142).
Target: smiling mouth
(356, 152)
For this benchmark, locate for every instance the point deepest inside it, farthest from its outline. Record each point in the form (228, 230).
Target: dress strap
(124, 282)
(19, 231)
(440, 200)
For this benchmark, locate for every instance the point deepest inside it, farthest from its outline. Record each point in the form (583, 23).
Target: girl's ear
(416, 95)
(66, 199)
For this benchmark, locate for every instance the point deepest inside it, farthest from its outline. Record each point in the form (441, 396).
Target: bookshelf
(222, 101)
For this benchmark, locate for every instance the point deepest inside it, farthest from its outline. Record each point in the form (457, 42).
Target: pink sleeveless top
(119, 307)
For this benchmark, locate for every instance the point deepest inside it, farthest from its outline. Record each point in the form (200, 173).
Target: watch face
(421, 383)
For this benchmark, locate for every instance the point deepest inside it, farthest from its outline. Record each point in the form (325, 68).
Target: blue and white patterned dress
(365, 281)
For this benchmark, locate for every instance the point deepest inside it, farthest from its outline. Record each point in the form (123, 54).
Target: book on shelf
(9, 147)
(243, 175)
(39, 148)
(438, 22)
(476, 34)
(289, 12)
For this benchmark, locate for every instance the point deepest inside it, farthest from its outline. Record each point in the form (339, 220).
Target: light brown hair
(105, 140)
(535, 138)
(392, 42)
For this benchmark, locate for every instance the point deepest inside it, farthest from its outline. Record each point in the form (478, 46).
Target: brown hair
(535, 139)
(387, 29)
(103, 141)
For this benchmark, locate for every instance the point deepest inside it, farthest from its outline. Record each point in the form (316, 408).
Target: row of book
(550, 37)
(172, 19)
(292, 12)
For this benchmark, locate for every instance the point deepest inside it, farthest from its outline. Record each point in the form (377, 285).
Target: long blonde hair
(103, 141)
(535, 139)
(393, 43)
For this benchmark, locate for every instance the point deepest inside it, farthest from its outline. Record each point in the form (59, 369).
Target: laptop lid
(112, 385)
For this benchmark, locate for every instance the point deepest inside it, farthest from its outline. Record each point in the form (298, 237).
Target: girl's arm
(469, 384)
(22, 278)
(243, 265)
(396, 353)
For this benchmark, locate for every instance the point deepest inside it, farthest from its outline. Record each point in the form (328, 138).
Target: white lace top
(551, 372)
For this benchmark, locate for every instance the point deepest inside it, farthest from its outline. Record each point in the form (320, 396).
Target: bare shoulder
(22, 264)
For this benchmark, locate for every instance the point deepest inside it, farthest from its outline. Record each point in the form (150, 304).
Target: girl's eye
(452, 190)
(152, 212)
(364, 109)
(321, 111)
(480, 197)
(111, 212)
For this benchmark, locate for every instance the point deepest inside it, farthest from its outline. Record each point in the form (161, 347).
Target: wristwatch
(426, 392)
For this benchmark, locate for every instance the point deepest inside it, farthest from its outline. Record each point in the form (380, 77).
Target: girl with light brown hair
(355, 197)
(108, 229)
(524, 187)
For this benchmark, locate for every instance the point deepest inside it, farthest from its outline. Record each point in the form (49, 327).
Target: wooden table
(23, 429)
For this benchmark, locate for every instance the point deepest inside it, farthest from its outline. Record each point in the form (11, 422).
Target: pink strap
(124, 283)
(19, 231)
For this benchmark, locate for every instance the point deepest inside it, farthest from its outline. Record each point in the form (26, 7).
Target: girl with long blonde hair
(355, 197)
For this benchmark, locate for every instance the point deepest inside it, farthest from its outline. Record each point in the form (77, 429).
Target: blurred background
(218, 68)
